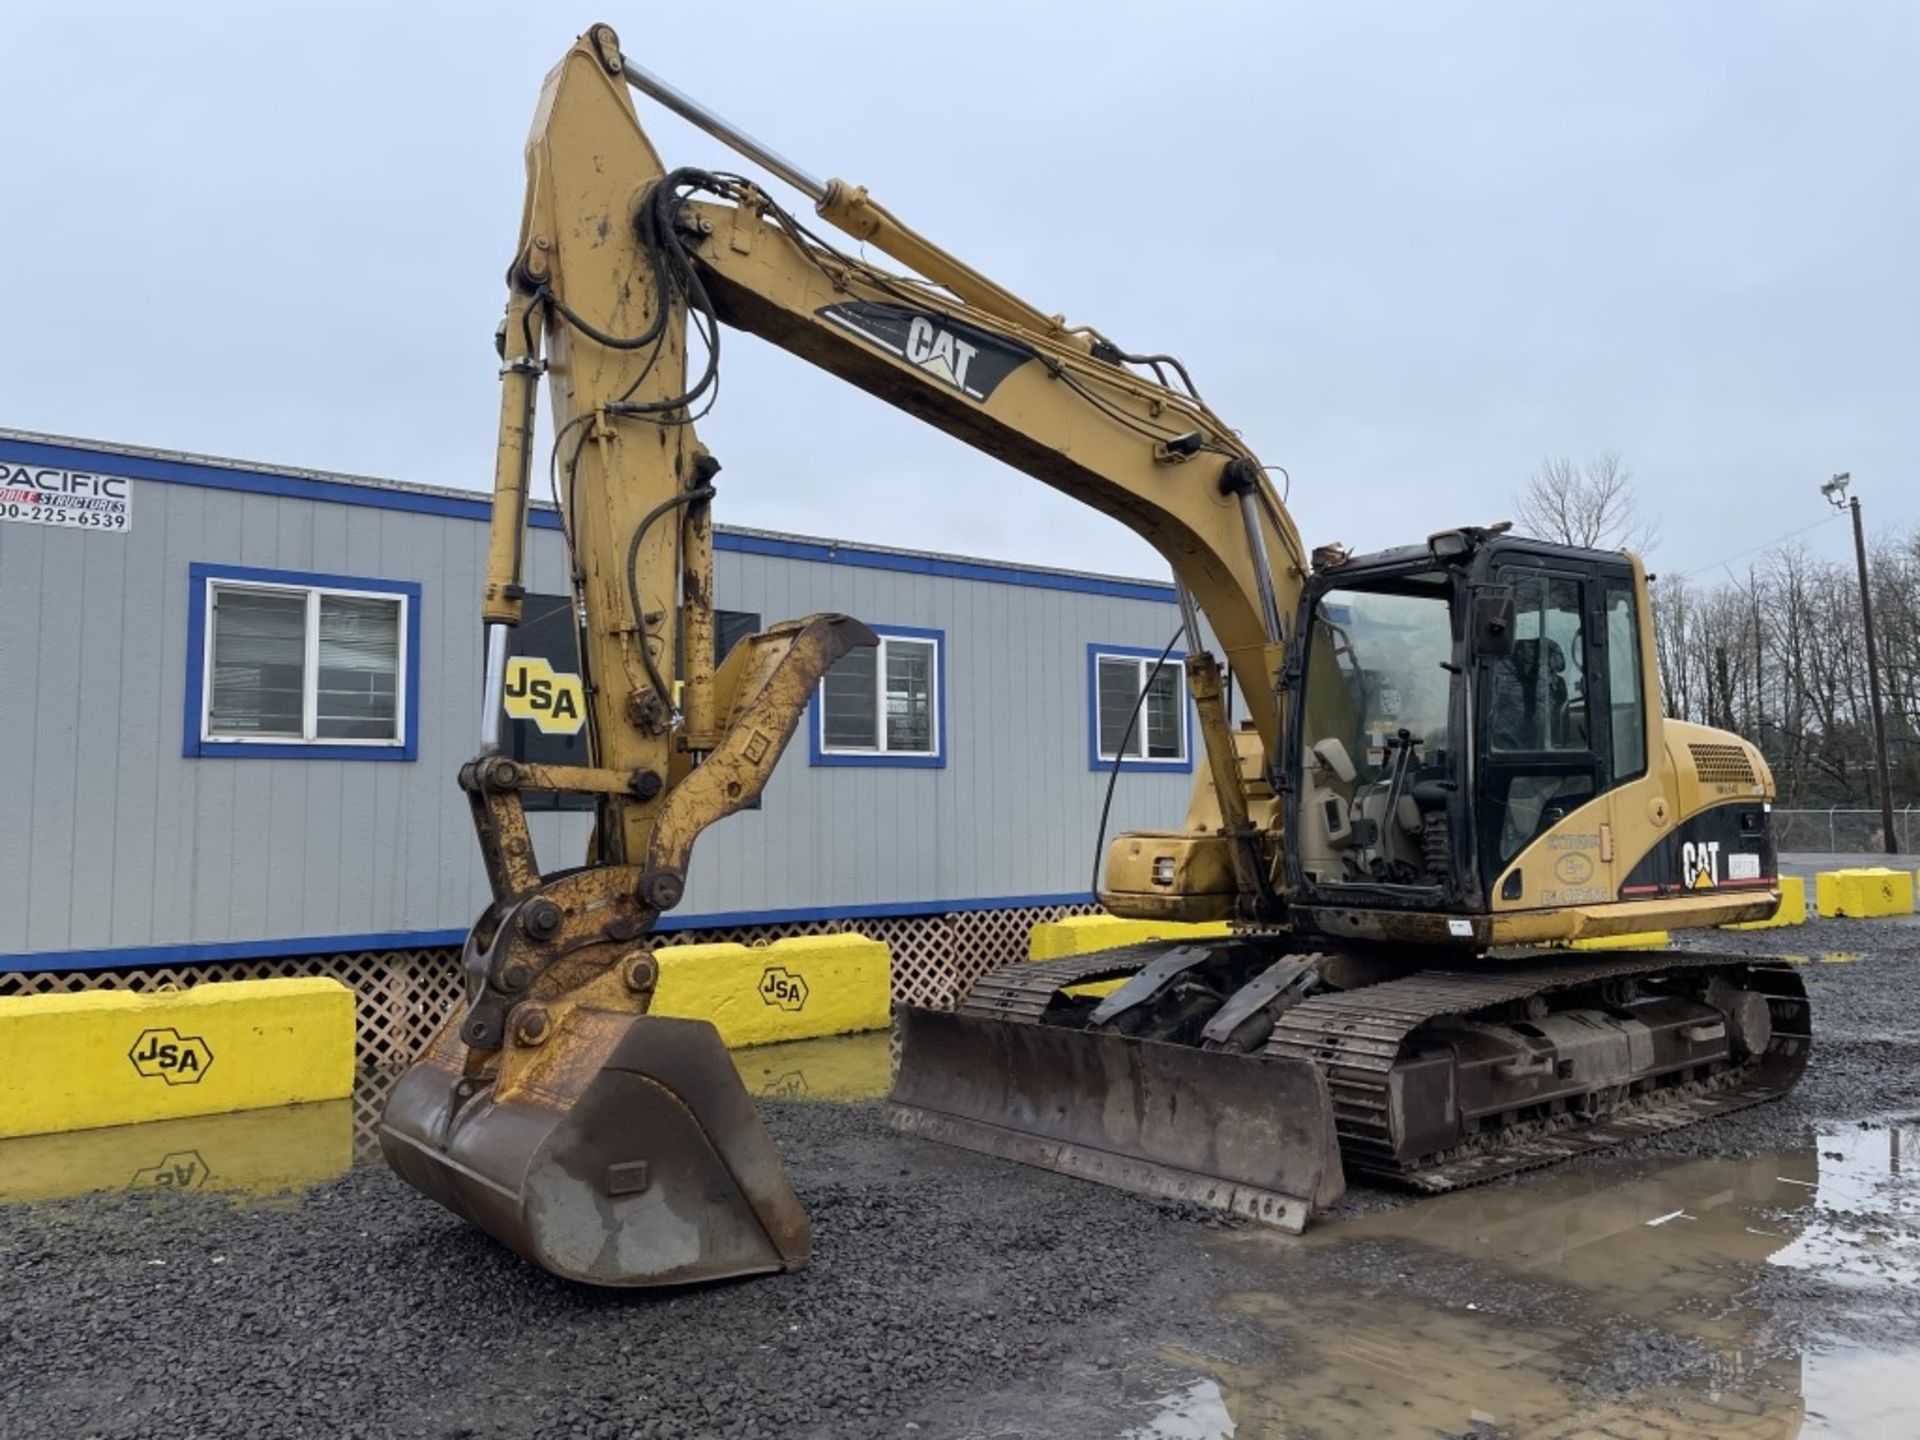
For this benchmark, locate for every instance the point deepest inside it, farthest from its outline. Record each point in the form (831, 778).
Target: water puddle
(1196, 1411)
(253, 1152)
(269, 1152)
(1629, 1300)
(841, 1068)
(1867, 1203)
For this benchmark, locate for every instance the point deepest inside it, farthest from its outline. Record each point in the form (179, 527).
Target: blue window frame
(885, 705)
(287, 665)
(1162, 736)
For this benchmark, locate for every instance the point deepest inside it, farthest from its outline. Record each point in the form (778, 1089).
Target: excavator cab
(1480, 738)
(1476, 758)
(1427, 665)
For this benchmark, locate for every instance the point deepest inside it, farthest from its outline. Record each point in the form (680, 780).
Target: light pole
(1835, 491)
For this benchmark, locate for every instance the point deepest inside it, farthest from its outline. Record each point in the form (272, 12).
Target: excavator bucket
(1250, 1134)
(630, 1155)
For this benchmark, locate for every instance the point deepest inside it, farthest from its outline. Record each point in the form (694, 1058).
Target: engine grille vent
(1723, 764)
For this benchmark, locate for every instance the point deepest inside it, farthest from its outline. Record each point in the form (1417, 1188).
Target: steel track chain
(1021, 992)
(1353, 1037)
(1356, 1036)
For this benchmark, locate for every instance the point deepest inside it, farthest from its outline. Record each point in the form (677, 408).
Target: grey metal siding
(1012, 812)
(116, 840)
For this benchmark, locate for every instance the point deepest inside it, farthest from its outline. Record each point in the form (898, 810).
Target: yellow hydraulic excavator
(1452, 760)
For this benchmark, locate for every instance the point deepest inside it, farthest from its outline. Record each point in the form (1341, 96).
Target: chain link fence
(1842, 831)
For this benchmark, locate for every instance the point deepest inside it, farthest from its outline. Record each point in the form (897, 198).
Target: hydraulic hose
(1113, 775)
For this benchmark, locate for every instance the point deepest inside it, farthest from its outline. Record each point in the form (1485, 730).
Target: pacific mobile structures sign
(68, 499)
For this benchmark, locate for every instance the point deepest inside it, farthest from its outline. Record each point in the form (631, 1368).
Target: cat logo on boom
(939, 352)
(554, 701)
(971, 360)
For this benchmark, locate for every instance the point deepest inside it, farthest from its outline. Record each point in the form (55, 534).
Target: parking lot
(1748, 1277)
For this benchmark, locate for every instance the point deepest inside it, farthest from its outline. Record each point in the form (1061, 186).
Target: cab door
(1636, 794)
(1543, 744)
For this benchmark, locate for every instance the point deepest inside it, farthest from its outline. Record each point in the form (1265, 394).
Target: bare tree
(1778, 660)
(1674, 603)
(1592, 505)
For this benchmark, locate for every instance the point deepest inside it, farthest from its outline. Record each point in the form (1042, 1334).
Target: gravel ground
(950, 1295)
(1866, 1035)
(941, 1283)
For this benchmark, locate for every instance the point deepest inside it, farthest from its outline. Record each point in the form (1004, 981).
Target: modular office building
(237, 696)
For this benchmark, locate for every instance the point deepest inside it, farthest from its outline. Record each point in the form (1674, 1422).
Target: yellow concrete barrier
(1792, 911)
(1084, 934)
(1864, 893)
(111, 1057)
(1637, 940)
(251, 1152)
(794, 989)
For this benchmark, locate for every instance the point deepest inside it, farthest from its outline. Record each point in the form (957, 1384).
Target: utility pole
(1836, 492)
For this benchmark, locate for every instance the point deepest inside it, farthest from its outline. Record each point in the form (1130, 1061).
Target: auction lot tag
(70, 499)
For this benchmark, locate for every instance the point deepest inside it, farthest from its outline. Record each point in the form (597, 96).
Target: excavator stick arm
(607, 1144)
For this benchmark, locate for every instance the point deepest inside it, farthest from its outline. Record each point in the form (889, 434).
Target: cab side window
(1539, 701)
(1540, 764)
(1627, 701)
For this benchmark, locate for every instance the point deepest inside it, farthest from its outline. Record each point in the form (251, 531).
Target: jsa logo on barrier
(166, 1054)
(535, 691)
(780, 986)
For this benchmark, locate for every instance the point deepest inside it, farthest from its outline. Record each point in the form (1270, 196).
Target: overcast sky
(1407, 249)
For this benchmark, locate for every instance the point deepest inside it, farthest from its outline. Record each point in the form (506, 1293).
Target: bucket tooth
(1234, 1132)
(635, 1159)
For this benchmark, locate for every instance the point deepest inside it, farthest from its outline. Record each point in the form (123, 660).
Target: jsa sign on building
(72, 499)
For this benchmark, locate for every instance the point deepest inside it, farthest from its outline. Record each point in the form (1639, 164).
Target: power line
(1756, 549)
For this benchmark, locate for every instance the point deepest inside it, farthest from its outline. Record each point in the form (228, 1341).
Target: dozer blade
(1236, 1132)
(631, 1155)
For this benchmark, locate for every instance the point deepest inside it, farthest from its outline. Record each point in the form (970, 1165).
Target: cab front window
(1380, 671)
(1379, 741)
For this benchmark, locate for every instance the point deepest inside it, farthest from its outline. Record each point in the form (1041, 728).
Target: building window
(284, 665)
(884, 704)
(1117, 676)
